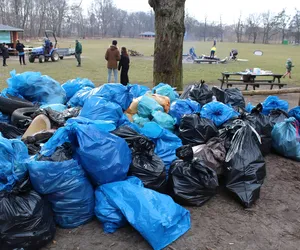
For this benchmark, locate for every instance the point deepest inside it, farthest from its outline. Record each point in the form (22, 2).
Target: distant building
(9, 35)
(147, 35)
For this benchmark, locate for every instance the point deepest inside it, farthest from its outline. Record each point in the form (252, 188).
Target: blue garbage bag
(107, 126)
(55, 107)
(13, 157)
(249, 107)
(80, 97)
(138, 90)
(147, 106)
(73, 86)
(166, 90)
(164, 120)
(67, 188)
(4, 118)
(97, 108)
(165, 221)
(273, 102)
(286, 138)
(35, 87)
(179, 108)
(6, 92)
(165, 141)
(114, 92)
(105, 157)
(218, 112)
(140, 120)
(295, 112)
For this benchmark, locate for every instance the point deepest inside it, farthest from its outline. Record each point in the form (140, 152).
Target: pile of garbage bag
(70, 152)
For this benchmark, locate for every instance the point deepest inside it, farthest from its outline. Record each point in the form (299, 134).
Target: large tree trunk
(170, 29)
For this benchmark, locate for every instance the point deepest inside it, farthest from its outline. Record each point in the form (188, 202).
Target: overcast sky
(229, 9)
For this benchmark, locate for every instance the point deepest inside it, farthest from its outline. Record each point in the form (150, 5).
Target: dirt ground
(222, 223)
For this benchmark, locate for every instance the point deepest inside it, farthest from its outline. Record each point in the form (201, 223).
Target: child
(213, 51)
(289, 66)
(124, 66)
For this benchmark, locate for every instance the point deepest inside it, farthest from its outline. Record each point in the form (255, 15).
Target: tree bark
(170, 30)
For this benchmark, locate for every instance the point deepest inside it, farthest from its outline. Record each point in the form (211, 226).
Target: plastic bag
(191, 183)
(13, 157)
(164, 101)
(273, 102)
(218, 112)
(249, 107)
(54, 107)
(73, 86)
(232, 97)
(105, 157)
(4, 118)
(114, 92)
(245, 166)
(164, 120)
(286, 138)
(138, 90)
(295, 112)
(36, 88)
(133, 108)
(201, 94)
(9, 131)
(165, 221)
(34, 142)
(80, 97)
(195, 130)
(66, 186)
(141, 121)
(278, 115)
(147, 106)
(166, 90)
(26, 219)
(179, 108)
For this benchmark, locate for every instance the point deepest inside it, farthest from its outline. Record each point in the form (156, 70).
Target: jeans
(115, 75)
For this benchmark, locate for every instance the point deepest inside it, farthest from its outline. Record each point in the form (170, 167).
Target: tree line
(103, 19)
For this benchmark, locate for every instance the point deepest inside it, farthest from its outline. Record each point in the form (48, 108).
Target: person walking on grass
(78, 52)
(20, 48)
(5, 55)
(124, 66)
(112, 56)
(289, 65)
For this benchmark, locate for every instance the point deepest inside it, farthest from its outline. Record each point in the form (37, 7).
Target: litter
(9, 131)
(71, 87)
(166, 90)
(138, 90)
(295, 112)
(80, 97)
(141, 121)
(273, 102)
(147, 106)
(40, 123)
(164, 120)
(199, 93)
(4, 118)
(232, 97)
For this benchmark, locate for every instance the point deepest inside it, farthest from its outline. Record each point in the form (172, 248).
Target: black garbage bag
(232, 96)
(135, 141)
(9, 131)
(34, 142)
(245, 166)
(277, 116)
(195, 130)
(62, 153)
(58, 119)
(191, 183)
(186, 92)
(212, 154)
(201, 93)
(185, 153)
(26, 219)
(150, 169)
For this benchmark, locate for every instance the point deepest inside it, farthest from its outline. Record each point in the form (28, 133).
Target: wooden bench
(256, 84)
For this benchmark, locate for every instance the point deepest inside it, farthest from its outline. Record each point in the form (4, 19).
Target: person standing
(289, 65)
(78, 52)
(213, 51)
(5, 54)
(112, 56)
(124, 66)
(20, 48)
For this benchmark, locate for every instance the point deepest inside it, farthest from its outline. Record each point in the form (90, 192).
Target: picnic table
(251, 79)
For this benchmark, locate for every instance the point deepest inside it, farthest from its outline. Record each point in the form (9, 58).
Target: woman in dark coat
(124, 66)
(5, 54)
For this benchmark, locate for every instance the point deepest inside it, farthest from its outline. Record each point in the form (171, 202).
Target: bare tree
(103, 10)
(253, 26)
(170, 30)
(270, 26)
(239, 29)
(205, 28)
(283, 20)
(295, 26)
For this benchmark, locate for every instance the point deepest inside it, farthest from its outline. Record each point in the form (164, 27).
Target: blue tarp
(155, 216)
(179, 108)
(80, 97)
(295, 112)
(286, 138)
(166, 90)
(273, 102)
(67, 188)
(13, 157)
(73, 86)
(218, 112)
(35, 87)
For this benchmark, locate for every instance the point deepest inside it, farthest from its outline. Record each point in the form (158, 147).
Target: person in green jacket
(289, 65)
(78, 52)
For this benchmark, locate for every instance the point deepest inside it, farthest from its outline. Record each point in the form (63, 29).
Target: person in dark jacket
(20, 48)
(124, 66)
(78, 52)
(5, 54)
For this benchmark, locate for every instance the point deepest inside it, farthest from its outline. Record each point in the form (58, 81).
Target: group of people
(5, 55)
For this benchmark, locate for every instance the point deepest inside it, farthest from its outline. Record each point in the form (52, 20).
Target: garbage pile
(75, 151)
(134, 53)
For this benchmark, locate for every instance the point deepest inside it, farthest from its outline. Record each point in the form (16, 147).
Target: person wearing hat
(4, 51)
(289, 65)
(78, 52)
(20, 48)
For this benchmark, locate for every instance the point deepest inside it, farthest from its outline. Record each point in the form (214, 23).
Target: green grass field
(94, 65)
